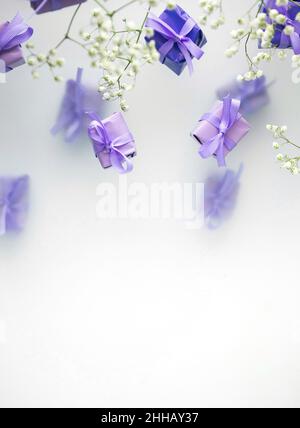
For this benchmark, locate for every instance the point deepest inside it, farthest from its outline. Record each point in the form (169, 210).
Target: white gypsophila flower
(288, 162)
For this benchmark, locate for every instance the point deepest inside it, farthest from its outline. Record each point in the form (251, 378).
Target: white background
(147, 313)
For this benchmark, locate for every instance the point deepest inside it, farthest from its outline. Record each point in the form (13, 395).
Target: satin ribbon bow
(293, 39)
(217, 144)
(14, 33)
(187, 47)
(102, 142)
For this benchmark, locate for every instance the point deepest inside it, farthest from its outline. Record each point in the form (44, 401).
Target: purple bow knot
(217, 144)
(103, 143)
(188, 48)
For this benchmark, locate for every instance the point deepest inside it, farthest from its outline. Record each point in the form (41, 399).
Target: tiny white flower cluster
(38, 60)
(119, 54)
(259, 25)
(296, 61)
(290, 163)
(209, 8)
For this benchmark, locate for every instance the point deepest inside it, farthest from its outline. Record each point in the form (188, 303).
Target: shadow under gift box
(116, 126)
(52, 5)
(176, 18)
(205, 131)
(253, 94)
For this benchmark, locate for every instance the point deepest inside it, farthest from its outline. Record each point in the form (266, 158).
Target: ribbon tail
(285, 41)
(121, 162)
(187, 57)
(210, 147)
(295, 40)
(165, 49)
(194, 49)
(221, 155)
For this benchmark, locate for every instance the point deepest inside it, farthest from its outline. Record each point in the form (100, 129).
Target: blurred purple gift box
(177, 37)
(12, 35)
(220, 196)
(42, 6)
(113, 143)
(13, 203)
(78, 99)
(282, 40)
(252, 94)
(220, 131)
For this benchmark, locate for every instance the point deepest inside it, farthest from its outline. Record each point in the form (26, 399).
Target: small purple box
(207, 131)
(176, 19)
(111, 137)
(42, 6)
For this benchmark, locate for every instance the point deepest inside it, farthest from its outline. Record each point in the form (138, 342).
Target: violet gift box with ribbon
(12, 35)
(221, 130)
(177, 37)
(113, 143)
(43, 6)
(280, 39)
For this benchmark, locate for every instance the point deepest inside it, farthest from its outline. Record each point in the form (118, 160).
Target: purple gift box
(42, 6)
(78, 99)
(177, 37)
(253, 94)
(14, 203)
(280, 39)
(220, 197)
(12, 34)
(113, 143)
(220, 131)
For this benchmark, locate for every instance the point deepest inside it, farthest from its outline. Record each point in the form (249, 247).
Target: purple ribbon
(187, 47)
(293, 39)
(14, 33)
(217, 144)
(102, 142)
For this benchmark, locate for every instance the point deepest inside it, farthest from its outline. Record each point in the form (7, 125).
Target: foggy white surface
(130, 313)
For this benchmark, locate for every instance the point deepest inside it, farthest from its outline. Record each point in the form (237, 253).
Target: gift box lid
(116, 125)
